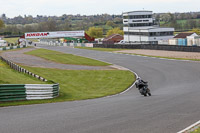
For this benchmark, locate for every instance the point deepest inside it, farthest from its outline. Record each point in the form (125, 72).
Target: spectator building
(141, 27)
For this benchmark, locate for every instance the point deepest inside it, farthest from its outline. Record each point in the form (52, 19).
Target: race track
(174, 104)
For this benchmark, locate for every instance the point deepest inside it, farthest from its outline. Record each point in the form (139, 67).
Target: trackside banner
(55, 34)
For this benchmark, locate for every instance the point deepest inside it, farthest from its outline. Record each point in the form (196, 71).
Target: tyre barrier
(12, 47)
(15, 92)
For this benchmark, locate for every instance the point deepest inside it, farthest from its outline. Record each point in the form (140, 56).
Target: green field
(65, 58)
(180, 21)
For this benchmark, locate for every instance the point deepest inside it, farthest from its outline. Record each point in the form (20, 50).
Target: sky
(14, 8)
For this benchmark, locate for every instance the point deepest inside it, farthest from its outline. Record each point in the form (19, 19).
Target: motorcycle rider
(140, 84)
(139, 81)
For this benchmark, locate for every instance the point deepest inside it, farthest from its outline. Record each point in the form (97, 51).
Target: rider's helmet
(138, 78)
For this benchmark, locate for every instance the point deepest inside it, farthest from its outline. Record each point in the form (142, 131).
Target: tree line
(104, 23)
(180, 21)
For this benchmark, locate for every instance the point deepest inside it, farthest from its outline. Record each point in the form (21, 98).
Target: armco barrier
(20, 69)
(41, 91)
(12, 92)
(15, 92)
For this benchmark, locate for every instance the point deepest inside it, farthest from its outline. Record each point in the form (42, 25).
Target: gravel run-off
(162, 53)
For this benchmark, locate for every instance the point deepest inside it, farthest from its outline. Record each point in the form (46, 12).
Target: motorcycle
(143, 88)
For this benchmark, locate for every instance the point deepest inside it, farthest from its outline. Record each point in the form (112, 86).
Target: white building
(3, 43)
(193, 41)
(189, 38)
(140, 26)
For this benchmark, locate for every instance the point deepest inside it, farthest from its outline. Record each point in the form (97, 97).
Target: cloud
(89, 7)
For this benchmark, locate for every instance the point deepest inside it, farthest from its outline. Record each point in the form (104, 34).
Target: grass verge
(161, 57)
(11, 40)
(102, 49)
(196, 131)
(82, 84)
(10, 76)
(65, 58)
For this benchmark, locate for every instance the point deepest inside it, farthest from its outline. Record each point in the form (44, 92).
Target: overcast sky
(14, 8)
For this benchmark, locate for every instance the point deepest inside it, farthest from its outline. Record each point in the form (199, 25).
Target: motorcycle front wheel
(149, 93)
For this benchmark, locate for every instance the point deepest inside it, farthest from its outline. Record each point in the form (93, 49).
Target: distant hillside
(18, 25)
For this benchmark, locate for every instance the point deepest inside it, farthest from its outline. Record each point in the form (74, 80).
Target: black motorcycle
(143, 88)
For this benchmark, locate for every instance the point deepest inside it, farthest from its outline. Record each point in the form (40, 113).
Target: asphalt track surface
(174, 104)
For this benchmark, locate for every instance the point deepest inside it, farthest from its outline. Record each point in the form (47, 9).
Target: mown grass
(65, 58)
(10, 76)
(33, 40)
(82, 84)
(102, 49)
(74, 84)
(11, 40)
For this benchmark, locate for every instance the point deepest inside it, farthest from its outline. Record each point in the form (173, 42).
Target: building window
(125, 17)
(139, 16)
(167, 33)
(137, 21)
(140, 24)
(149, 33)
(137, 33)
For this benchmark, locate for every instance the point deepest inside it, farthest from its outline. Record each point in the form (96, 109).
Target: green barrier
(12, 47)
(12, 99)
(16, 92)
(12, 92)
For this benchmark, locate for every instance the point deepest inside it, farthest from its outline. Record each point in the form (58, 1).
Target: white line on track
(188, 129)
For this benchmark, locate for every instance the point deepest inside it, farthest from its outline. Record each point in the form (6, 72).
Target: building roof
(184, 35)
(137, 11)
(111, 36)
